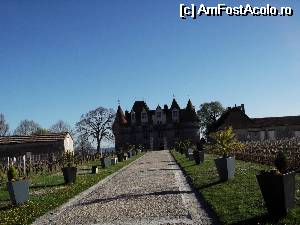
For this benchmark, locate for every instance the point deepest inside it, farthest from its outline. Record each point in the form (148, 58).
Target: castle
(155, 129)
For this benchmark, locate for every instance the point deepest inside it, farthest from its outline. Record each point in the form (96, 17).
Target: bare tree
(97, 124)
(27, 127)
(60, 126)
(83, 145)
(4, 127)
(41, 130)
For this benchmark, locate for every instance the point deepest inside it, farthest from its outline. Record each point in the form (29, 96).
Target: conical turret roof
(120, 117)
(190, 113)
(174, 104)
(189, 105)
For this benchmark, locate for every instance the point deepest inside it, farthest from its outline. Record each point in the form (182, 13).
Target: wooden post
(24, 164)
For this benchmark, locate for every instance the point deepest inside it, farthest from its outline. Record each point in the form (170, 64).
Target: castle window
(132, 115)
(144, 117)
(158, 115)
(175, 115)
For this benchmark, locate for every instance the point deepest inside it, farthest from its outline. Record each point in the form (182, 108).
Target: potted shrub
(181, 147)
(130, 152)
(278, 187)
(224, 143)
(125, 156)
(95, 169)
(69, 170)
(133, 151)
(186, 145)
(114, 160)
(120, 156)
(18, 189)
(199, 153)
(140, 149)
(191, 153)
(198, 156)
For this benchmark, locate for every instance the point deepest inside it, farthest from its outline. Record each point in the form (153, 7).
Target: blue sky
(60, 59)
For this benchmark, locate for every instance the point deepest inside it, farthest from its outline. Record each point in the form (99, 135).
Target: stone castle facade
(155, 129)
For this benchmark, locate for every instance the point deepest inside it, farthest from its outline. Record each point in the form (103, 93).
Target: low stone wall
(265, 152)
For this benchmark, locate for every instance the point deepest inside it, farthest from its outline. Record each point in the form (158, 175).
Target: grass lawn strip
(50, 194)
(238, 201)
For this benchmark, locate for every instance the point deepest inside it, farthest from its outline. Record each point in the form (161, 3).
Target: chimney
(243, 108)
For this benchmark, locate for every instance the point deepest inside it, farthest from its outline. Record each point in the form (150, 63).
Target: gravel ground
(151, 190)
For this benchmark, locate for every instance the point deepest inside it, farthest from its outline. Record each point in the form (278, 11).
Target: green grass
(48, 192)
(238, 201)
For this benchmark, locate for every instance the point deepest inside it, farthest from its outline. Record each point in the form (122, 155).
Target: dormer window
(144, 117)
(175, 115)
(133, 116)
(158, 115)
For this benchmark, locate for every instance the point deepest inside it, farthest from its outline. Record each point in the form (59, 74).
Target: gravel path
(151, 190)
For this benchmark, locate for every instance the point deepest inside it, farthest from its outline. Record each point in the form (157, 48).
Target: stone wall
(268, 133)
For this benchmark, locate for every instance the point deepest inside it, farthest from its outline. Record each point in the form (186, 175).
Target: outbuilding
(35, 147)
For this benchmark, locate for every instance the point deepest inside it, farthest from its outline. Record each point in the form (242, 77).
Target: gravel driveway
(151, 190)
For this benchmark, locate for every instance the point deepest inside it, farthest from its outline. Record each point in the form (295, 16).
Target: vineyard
(265, 151)
(46, 167)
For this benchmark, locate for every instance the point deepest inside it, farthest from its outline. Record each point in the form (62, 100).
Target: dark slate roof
(51, 137)
(189, 114)
(189, 105)
(277, 121)
(120, 117)
(139, 105)
(233, 117)
(127, 116)
(237, 119)
(186, 115)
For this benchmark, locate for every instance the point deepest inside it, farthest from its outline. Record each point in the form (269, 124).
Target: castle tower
(119, 124)
(190, 113)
